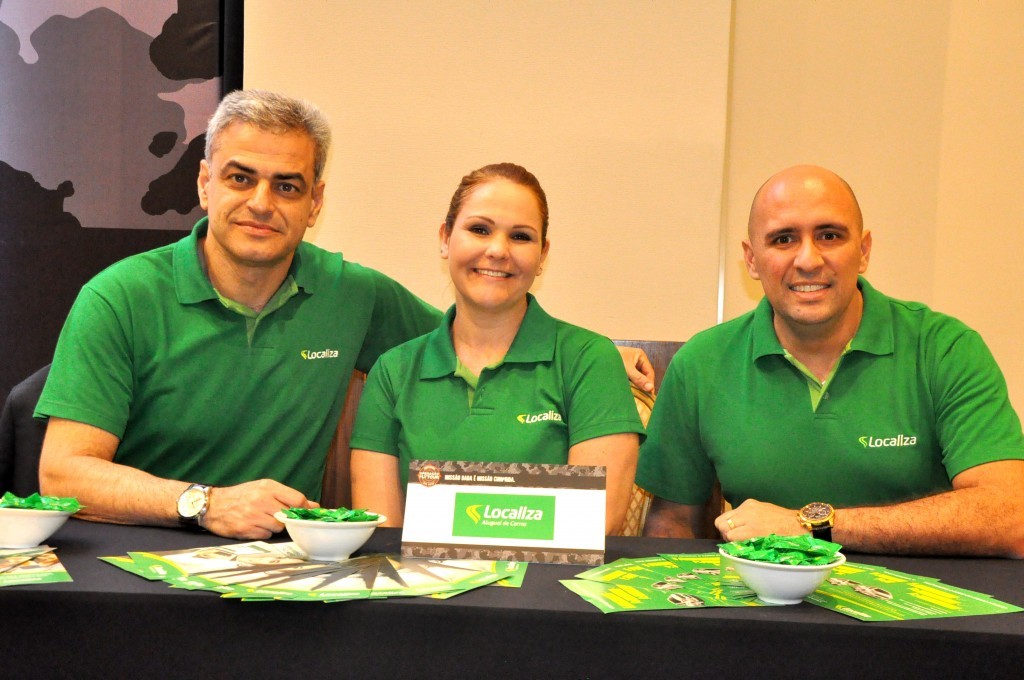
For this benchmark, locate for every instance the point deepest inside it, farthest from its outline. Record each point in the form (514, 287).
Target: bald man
(833, 409)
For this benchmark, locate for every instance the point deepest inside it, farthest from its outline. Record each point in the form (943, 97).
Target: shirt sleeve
(90, 380)
(600, 402)
(376, 428)
(974, 419)
(398, 316)
(673, 464)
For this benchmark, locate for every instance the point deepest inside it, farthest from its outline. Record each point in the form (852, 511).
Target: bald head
(802, 184)
(807, 245)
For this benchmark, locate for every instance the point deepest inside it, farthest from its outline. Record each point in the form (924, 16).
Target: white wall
(623, 111)
(620, 113)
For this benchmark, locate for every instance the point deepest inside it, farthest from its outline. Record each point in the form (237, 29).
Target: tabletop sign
(525, 512)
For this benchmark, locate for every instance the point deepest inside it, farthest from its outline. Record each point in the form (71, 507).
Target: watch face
(816, 512)
(191, 502)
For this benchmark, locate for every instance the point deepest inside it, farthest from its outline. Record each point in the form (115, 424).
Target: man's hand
(754, 518)
(247, 510)
(638, 367)
(982, 516)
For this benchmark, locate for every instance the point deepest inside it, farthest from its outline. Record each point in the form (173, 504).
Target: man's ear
(748, 259)
(865, 251)
(318, 203)
(202, 181)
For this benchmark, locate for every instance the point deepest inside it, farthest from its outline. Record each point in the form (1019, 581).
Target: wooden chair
(337, 489)
(660, 352)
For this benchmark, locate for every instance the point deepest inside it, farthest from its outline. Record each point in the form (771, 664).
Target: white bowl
(780, 583)
(329, 541)
(24, 528)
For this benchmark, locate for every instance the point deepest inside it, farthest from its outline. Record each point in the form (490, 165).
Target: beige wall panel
(856, 87)
(619, 108)
(980, 222)
(921, 107)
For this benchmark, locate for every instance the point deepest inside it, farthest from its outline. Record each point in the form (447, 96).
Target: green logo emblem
(515, 516)
(310, 354)
(530, 418)
(869, 442)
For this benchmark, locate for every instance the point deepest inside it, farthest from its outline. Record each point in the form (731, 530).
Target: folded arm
(78, 460)
(982, 515)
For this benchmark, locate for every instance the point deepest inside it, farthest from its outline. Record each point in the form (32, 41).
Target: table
(109, 623)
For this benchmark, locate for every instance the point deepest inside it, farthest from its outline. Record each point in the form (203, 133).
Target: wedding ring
(729, 522)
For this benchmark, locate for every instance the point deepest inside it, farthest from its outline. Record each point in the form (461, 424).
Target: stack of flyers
(263, 571)
(872, 593)
(22, 566)
(861, 591)
(661, 582)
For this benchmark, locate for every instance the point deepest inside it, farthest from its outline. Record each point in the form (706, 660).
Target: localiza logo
(310, 354)
(489, 512)
(869, 442)
(529, 418)
(504, 516)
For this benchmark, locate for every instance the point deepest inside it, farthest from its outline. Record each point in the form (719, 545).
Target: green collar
(874, 336)
(534, 342)
(191, 284)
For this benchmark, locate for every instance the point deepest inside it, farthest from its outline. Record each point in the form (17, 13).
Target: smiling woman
(500, 380)
(495, 241)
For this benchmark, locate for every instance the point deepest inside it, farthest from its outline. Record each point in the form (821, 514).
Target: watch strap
(823, 533)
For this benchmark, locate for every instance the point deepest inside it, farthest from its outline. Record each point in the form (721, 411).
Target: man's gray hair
(273, 112)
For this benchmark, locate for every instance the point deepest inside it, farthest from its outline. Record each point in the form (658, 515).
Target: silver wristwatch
(192, 505)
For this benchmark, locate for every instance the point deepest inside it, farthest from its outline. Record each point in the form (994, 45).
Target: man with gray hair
(200, 383)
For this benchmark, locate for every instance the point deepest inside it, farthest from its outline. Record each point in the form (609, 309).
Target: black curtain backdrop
(46, 253)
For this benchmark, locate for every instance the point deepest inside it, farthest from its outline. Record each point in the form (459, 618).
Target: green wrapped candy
(328, 515)
(37, 502)
(799, 550)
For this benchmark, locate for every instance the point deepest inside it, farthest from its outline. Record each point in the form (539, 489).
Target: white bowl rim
(284, 519)
(840, 559)
(35, 512)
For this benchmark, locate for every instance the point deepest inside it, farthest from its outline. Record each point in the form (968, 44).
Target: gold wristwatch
(818, 518)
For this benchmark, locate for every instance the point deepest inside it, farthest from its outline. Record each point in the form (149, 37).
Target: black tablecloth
(110, 623)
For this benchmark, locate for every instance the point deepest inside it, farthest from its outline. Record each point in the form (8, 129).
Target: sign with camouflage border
(523, 512)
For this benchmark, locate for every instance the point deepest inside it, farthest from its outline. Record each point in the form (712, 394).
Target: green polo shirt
(916, 400)
(198, 391)
(558, 385)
